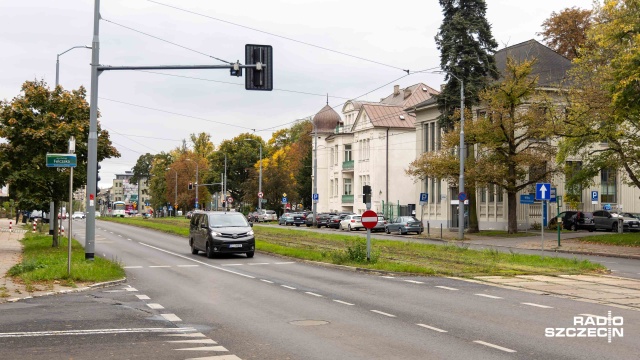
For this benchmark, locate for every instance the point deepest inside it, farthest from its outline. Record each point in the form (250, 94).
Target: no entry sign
(369, 219)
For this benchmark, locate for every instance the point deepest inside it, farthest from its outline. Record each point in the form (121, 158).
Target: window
(499, 194)
(425, 132)
(347, 186)
(432, 134)
(575, 191)
(331, 189)
(432, 189)
(331, 158)
(335, 184)
(492, 194)
(335, 153)
(483, 194)
(608, 185)
(438, 190)
(347, 153)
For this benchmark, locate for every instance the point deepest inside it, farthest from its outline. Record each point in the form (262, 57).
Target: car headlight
(214, 233)
(250, 233)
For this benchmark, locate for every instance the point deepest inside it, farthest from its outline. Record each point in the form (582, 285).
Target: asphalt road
(274, 308)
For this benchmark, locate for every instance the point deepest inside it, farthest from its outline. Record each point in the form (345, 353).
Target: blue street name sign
(553, 195)
(543, 191)
(61, 160)
(527, 199)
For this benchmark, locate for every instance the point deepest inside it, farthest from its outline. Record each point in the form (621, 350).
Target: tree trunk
(54, 217)
(473, 210)
(512, 214)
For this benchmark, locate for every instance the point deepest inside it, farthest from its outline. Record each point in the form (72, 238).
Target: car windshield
(227, 220)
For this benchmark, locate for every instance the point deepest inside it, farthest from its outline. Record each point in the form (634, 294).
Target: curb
(68, 291)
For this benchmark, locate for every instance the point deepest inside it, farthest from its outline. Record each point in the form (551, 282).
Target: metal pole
(72, 149)
(260, 181)
(558, 212)
(226, 203)
(315, 182)
(175, 190)
(462, 150)
(92, 161)
(57, 70)
(544, 205)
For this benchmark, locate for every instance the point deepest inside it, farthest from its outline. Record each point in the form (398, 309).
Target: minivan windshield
(227, 220)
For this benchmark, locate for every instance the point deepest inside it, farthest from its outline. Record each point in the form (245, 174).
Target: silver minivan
(220, 232)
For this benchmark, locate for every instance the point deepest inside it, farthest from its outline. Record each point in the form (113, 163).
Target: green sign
(61, 160)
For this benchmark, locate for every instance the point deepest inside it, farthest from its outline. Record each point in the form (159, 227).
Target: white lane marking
(414, 282)
(187, 265)
(120, 235)
(131, 288)
(198, 261)
(132, 267)
(206, 348)
(383, 313)
(446, 288)
(538, 305)
(311, 293)
(488, 296)
(155, 306)
(171, 317)
(159, 266)
(494, 346)
(285, 263)
(593, 316)
(232, 264)
(129, 239)
(267, 281)
(187, 335)
(92, 331)
(288, 287)
(432, 328)
(343, 302)
(388, 277)
(258, 263)
(110, 232)
(195, 341)
(143, 297)
(217, 357)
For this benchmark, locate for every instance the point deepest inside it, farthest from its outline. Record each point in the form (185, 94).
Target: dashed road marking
(388, 277)
(195, 334)
(129, 239)
(414, 281)
(206, 348)
(159, 266)
(258, 264)
(344, 302)
(188, 265)
(171, 317)
(432, 328)
(488, 296)
(131, 288)
(494, 346)
(267, 281)
(538, 305)
(288, 287)
(285, 263)
(155, 306)
(120, 235)
(312, 293)
(94, 331)
(132, 267)
(383, 313)
(232, 264)
(446, 288)
(219, 357)
(143, 297)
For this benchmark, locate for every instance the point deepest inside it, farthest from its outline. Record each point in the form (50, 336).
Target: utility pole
(315, 171)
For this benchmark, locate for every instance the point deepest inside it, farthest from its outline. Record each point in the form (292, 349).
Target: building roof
(409, 96)
(388, 116)
(550, 66)
(326, 119)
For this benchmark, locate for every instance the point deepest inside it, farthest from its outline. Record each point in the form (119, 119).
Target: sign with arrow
(543, 191)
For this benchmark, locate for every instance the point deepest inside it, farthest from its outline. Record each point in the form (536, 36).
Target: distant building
(124, 190)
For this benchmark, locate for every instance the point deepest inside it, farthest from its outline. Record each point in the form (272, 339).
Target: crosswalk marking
(143, 297)
(171, 317)
(206, 348)
(194, 341)
(155, 306)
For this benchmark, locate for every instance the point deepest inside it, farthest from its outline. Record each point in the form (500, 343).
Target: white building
(373, 145)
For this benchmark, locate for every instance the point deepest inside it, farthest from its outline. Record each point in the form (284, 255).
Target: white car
(351, 222)
(78, 215)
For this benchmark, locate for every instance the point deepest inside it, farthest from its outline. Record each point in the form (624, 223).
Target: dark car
(580, 221)
(334, 222)
(286, 219)
(561, 217)
(322, 219)
(218, 232)
(404, 224)
(609, 221)
(380, 226)
(189, 214)
(299, 219)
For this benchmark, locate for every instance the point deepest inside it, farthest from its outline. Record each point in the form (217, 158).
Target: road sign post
(543, 192)
(369, 220)
(559, 200)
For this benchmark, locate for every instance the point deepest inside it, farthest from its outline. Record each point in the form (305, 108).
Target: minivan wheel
(209, 251)
(250, 254)
(194, 251)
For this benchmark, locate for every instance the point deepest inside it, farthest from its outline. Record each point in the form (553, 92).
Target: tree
(512, 139)
(566, 32)
(202, 144)
(604, 99)
(41, 121)
(466, 53)
(142, 168)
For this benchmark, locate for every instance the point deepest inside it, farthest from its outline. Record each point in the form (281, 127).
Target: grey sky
(32, 32)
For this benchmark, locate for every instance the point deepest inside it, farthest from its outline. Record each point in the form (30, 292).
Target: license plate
(634, 225)
(235, 245)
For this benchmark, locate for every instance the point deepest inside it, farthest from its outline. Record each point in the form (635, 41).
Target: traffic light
(366, 194)
(98, 178)
(190, 186)
(261, 76)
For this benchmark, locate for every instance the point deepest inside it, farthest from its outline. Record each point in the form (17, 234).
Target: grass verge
(390, 255)
(624, 239)
(42, 264)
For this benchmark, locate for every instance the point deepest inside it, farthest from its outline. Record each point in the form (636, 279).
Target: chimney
(407, 93)
(396, 90)
(442, 86)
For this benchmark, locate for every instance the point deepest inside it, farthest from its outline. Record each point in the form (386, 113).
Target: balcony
(347, 165)
(347, 199)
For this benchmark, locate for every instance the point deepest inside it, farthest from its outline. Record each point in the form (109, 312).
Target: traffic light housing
(261, 76)
(366, 194)
(190, 186)
(98, 178)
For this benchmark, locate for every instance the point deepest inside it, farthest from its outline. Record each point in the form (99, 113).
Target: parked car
(334, 222)
(351, 222)
(253, 216)
(36, 215)
(404, 224)
(299, 219)
(579, 221)
(322, 219)
(78, 215)
(286, 219)
(189, 214)
(633, 215)
(267, 215)
(609, 221)
(380, 226)
(562, 217)
(217, 232)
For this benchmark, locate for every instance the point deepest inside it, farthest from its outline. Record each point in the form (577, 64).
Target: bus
(118, 208)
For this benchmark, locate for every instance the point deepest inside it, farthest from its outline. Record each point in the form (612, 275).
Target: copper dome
(326, 119)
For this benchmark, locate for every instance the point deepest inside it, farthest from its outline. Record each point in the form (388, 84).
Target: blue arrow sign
(543, 191)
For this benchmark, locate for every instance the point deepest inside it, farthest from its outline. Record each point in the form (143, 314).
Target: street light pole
(315, 172)
(175, 184)
(197, 173)
(259, 181)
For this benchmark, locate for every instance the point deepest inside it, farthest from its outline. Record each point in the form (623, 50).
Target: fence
(390, 210)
